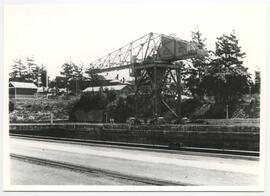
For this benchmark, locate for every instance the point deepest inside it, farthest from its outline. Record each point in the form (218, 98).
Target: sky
(82, 34)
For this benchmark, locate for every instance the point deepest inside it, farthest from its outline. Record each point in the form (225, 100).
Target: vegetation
(196, 68)
(226, 78)
(39, 110)
(123, 109)
(28, 71)
(94, 101)
(221, 75)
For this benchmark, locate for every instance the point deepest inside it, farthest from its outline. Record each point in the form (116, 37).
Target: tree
(94, 79)
(257, 82)
(73, 77)
(32, 70)
(77, 78)
(18, 71)
(58, 82)
(197, 68)
(43, 74)
(226, 77)
(28, 72)
(67, 73)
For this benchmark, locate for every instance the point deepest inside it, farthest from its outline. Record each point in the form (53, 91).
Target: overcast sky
(56, 34)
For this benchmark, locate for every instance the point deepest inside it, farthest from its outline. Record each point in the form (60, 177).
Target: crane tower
(152, 61)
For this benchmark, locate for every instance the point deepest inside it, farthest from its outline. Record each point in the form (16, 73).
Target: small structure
(121, 90)
(22, 90)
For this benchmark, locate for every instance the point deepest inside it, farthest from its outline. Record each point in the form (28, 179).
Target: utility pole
(51, 118)
(47, 79)
(227, 111)
(76, 86)
(136, 93)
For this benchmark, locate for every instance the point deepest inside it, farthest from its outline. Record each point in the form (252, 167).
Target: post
(47, 80)
(51, 118)
(136, 93)
(227, 111)
(76, 86)
(179, 98)
(155, 93)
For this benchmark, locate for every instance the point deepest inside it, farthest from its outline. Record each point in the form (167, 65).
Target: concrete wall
(203, 136)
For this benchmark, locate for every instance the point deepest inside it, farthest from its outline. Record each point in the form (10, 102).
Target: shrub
(11, 106)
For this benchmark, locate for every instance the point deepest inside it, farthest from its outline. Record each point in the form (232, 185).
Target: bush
(189, 106)
(123, 110)
(11, 106)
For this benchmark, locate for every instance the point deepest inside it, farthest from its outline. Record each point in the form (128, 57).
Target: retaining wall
(204, 136)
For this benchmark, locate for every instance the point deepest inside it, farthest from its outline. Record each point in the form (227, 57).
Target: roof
(185, 97)
(111, 87)
(23, 85)
(115, 81)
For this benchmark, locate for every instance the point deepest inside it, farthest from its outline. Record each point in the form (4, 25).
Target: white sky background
(82, 34)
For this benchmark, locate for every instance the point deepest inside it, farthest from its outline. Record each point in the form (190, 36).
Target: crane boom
(153, 47)
(151, 58)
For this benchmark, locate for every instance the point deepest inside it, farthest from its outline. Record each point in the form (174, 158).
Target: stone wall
(233, 137)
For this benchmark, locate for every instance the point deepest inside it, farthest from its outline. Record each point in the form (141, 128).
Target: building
(121, 90)
(22, 90)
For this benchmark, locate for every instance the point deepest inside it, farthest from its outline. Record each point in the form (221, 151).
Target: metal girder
(151, 58)
(137, 51)
(151, 48)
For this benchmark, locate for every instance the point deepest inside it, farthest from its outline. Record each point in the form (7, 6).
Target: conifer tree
(226, 77)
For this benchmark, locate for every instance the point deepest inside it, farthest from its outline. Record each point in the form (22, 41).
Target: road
(181, 168)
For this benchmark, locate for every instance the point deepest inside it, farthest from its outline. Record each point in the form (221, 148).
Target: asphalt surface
(27, 173)
(182, 168)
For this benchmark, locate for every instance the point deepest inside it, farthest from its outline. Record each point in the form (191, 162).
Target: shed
(18, 89)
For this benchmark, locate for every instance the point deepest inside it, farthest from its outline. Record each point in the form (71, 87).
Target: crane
(151, 60)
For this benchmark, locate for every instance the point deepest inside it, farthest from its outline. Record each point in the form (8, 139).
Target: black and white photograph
(133, 96)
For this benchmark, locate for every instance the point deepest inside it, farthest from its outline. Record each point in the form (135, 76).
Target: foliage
(18, 70)
(257, 83)
(67, 73)
(38, 110)
(123, 109)
(93, 78)
(28, 71)
(58, 82)
(189, 106)
(11, 106)
(226, 77)
(196, 68)
(73, 79)
(95, 101)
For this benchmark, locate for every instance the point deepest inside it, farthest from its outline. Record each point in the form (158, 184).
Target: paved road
(182, 168)
(46, 175)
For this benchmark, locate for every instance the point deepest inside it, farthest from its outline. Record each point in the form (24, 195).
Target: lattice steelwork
(151, 47)
(151, 61)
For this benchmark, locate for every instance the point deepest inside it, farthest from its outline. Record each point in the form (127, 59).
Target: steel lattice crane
(151, 61)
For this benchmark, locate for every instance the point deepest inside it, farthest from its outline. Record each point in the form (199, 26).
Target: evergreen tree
(32, 69)
(28, 71)
(94, 79)
(67, 73)
(44, 75)
(197, 68)
(226, 76)
(77, 82)
(18, 71)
